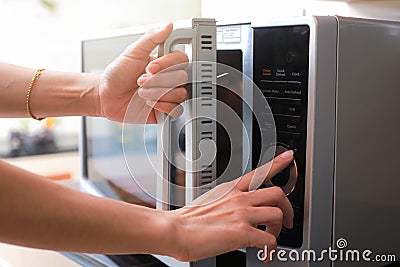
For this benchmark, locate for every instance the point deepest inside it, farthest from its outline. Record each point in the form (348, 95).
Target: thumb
(143, 47)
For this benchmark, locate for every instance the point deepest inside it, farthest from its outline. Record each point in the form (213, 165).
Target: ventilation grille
(206, 42)
(204, 109)
(207, 178)
(206, 105)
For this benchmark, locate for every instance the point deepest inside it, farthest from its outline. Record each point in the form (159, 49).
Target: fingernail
(287, 154)
(142, 79)
(176, 113)
(142, 93)
(160, 28)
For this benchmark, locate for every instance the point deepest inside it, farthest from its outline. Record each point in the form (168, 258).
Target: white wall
(258, 10)
(384, 9)
(35, 37)
(250, 10)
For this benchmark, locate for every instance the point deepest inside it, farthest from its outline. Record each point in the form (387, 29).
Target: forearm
(39, 213)
(54, 93)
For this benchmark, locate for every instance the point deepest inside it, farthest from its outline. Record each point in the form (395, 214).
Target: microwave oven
(332, 88)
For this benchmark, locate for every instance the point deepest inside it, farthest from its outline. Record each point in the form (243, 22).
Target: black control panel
(280, 70)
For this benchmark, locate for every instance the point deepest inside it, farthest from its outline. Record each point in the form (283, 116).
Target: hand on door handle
(136, 84)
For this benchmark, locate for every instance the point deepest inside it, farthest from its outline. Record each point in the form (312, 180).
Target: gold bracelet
(28, 95)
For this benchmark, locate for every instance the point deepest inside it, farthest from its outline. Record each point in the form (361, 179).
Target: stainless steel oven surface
(332, 84)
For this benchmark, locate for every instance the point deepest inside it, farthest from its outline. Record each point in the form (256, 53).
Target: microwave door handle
(202, 36)
(164, 153)
(203, 31)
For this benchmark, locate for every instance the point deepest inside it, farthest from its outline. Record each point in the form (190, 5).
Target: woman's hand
(226, 218)
(119, 94)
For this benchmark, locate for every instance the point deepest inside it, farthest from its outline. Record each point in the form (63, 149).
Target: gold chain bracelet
(28, 95)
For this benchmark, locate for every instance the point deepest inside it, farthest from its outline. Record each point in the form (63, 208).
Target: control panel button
(292, 92)
(284, 124)
(287, 178)
(292, 107)
(285, 106)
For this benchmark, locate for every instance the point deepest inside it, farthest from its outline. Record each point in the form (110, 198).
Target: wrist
(178, 236)
(89, 97)
(167, 235)
(171, 234)
(65, 94)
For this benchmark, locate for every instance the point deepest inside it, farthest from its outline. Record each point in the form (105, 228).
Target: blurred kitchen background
(47, 34)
